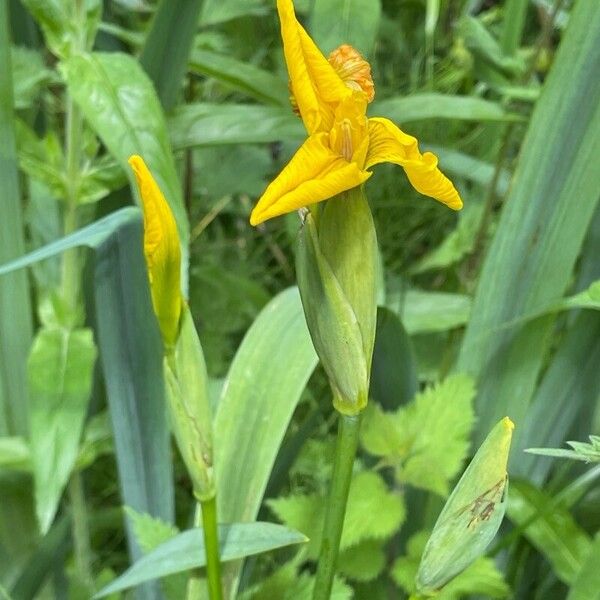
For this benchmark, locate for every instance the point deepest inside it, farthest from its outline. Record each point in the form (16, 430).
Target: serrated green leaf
(373, 512)
(29, 75)
(186, 551)
(60, 369)
(426, 440)
(362, 562)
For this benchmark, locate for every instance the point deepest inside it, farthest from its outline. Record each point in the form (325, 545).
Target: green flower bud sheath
(336, 269)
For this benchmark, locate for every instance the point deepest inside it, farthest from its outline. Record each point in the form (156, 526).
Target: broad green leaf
(186, 551)
(420, 107)
(215, 124)
(539, 235)
(337, 22)
(60, 369)
(167, 47)
(550, 528)
(426, 440)
(119, 102)
(586, 585)
(257, 403)
(372, 513)
(131, 359)
(393, 370)
(242, 76)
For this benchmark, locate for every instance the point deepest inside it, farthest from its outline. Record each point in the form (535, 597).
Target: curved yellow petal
(315, 84)
(162, 251)
(315, 173)
(387, 143)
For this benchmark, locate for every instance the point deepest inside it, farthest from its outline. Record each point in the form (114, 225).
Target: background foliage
(489, 312)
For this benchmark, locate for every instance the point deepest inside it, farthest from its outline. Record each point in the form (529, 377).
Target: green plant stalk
(81, 529)
(345, 451)
(211, 544)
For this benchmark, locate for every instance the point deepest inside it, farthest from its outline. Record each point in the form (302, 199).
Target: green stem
(81, 529)
(345, 451)
(211, 544)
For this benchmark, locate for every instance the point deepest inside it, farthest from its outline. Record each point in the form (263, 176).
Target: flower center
(353, 69)
(346, 147)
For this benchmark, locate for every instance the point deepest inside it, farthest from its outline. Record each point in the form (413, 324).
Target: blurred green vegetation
(489, 312)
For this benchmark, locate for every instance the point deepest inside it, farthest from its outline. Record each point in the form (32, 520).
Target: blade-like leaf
(245, 77)
(215, 124)
(586, 585)
(60, 370)
(186, 551)
(553, 530)
(257, 402)
(131, 358)
(419, 107)
(167, 47)
(540, 233)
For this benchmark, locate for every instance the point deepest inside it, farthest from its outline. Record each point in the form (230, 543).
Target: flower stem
(345, 451)
(211, 544)
(81, 530)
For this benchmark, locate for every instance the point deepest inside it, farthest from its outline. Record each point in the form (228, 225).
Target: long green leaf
(419, 107)
(15, 318)
(257, 402)
(261, 391)
(354, 22)
(186, 551)
(215, 124)
(15, 305)
(167, 47)
(131, 358)
(245, 77)
(553, 531)
(586, 585)
(119, 102)
(530, 261)
(60, 370)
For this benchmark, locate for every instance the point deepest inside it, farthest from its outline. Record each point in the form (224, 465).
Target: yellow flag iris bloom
(162, 251)
(331, 97)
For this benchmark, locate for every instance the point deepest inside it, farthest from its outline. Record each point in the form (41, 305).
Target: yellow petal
(162, 251)
(315, 84)
(315, 173)
(387, 143)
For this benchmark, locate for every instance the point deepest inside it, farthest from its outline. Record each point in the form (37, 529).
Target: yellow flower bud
(162, 251)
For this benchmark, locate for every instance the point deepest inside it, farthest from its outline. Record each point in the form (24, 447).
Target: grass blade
(167, 47)
(539, 236)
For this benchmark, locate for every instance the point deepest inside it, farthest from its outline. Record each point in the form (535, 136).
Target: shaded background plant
(502, 92)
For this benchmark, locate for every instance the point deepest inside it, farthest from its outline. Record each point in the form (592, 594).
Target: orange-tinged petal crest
(162, 251)
(314, 173)
(387, 143)
(315, 85)
(354, 70)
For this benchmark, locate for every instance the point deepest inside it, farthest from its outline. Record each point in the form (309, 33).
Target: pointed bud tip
(508, 424)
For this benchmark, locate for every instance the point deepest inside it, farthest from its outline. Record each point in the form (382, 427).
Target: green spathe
(189, 407)
(336, 268)
(471, 516)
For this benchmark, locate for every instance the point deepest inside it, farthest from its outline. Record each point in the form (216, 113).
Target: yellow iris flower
(162, 251)
(331, 97)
